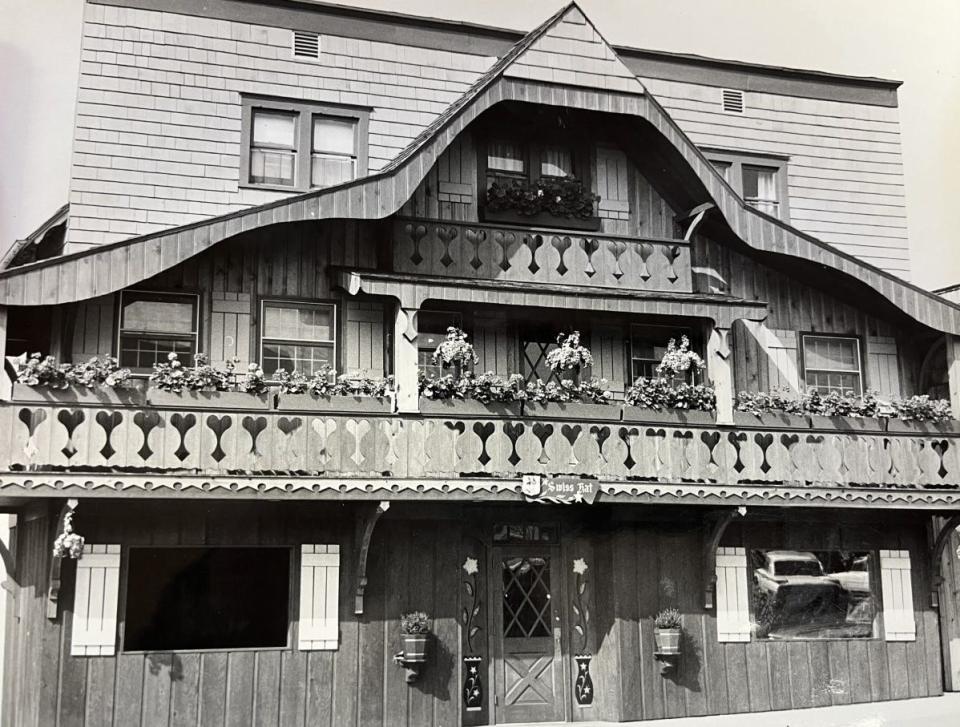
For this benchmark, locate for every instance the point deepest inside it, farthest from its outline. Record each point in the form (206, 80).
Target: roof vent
(732, 101)
(306, 45)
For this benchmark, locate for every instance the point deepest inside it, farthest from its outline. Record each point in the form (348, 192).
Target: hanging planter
(668, 629)
(415, 630)
(455, 353)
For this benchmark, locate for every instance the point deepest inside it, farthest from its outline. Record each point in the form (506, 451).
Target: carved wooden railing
(490, 252)
(83, 438)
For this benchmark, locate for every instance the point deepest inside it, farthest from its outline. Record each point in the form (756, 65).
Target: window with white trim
(760, 180)
(818, 594)
(298, 146)
(832, 363)
(155, 324)
(297, 336)
(207, 598)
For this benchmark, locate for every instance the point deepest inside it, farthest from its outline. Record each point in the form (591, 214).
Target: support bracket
(939, 545)
(696, 216)
(717, 530)
(365, 526)
(53, 587)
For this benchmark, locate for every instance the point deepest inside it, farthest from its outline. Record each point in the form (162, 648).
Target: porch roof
(413, 290)
(526, 73)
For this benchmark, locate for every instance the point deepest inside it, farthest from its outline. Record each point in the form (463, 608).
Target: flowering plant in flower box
(455, 351)
(570, 356)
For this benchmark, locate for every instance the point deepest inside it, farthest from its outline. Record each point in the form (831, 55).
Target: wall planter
(350, 404)
(848, 424)
(900, 426)
(103, 396)
(541, 219)
(571, 410)
(469, 408)
(774, 419)
(208, 399)
(641, 415)
(668, 641)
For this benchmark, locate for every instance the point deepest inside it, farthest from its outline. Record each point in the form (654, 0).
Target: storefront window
(823, 594)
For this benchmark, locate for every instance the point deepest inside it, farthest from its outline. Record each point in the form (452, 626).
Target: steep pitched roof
(564, 62)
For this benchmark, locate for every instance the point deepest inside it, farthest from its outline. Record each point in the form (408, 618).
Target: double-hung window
(298, 146)
(760, 180)
(153, 325)
(832, 363)
(297, 336)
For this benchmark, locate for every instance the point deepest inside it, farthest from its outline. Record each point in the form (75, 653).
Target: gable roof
(563, 62)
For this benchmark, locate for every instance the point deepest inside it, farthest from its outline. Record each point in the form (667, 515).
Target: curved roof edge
(108, 268)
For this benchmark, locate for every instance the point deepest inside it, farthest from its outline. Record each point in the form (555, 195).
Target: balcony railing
(493, 252)
(88, 439)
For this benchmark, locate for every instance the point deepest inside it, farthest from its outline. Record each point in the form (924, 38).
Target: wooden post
(405, 364)
(721, 372)
(6, 385)
(953, 372)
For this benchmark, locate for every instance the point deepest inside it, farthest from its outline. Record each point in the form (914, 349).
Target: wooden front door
(526, 636)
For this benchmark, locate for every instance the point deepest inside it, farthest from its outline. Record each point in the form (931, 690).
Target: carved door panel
(528, 671)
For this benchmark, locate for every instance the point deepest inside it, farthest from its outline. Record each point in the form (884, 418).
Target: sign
(559, 490)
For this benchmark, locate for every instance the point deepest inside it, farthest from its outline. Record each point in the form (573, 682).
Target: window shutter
(95, 601)
(613, 184)
(733, 606)
(895, 580)
(319, 597)
(780, 347)
(883, 365)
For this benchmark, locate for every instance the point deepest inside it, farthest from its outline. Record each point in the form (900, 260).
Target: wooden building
(293, 184)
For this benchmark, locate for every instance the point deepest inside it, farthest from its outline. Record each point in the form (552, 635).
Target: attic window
(306, 45)
(732, 101)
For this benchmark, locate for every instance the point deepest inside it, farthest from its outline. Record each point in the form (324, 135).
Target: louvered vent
(732, 101)
(306, 45)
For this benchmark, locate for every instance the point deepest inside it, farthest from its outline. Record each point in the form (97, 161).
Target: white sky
(911, 41)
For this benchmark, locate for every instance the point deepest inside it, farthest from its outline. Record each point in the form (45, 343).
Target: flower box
(642, 415)
(469, 408)
(848, 424)
(771, 419)
(208, 399)
(668, 641)
(98, 396)
(415, 648)
(899, 426)
(348, 404)
(542, 219)
(571, 410)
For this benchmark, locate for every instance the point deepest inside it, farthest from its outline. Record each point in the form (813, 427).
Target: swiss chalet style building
(297, 186)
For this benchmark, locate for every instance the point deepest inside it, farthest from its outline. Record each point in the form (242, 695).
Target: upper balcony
(534, 255)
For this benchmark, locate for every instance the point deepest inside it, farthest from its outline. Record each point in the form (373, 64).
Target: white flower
(579, 566)
(471, 566)
(171, 356)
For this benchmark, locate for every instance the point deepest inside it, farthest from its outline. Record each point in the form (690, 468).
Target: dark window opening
(207, 598)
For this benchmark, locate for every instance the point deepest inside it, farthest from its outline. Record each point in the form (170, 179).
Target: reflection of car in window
(856, 581)
(792, 590)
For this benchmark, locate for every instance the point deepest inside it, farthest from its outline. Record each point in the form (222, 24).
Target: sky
(914, 42)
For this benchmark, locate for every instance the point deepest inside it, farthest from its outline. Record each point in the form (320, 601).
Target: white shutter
(883, 366)
(613, 183)
(780, 347)
(319, 597)
(733, 605)
(898, 621)
(95, 601)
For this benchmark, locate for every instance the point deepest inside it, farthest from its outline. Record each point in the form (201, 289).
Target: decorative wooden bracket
(936, 573)
(53, 588)
(367, 524)
(710, 552)
(696, 216)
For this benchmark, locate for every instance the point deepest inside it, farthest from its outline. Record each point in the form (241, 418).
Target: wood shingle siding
(845, 176)
(157, 133)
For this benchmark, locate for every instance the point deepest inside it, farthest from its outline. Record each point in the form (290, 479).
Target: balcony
(528, 255)
(469, 450)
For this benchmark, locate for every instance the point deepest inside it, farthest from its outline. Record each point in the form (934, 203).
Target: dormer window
(296, 146)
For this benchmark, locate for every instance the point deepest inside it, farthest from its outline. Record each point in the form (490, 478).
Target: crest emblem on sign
(531, 485)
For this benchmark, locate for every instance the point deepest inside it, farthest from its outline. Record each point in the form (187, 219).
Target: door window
(526, 597)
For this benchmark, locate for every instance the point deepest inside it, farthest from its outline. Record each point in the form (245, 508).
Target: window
(832, 363)
(298, 146)
(760, 180)
(824, 594)
(207, 598)
(648, 344)
(431, 331)
(153, 325)
(297, 336)
(512, 160)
